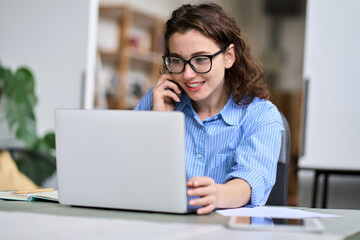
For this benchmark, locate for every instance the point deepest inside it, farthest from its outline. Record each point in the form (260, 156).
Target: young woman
(233, 133)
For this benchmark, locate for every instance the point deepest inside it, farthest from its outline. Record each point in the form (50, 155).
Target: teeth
(194, 85)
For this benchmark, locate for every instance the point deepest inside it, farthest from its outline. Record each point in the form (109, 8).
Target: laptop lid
(121, 159)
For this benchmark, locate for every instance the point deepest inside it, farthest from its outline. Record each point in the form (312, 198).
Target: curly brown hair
(245, 80)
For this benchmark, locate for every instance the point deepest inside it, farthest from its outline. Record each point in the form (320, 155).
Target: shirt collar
(232, 113)
(184, 101)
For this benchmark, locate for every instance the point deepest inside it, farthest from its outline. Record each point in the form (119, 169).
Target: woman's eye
(201, 59)
(175, 60)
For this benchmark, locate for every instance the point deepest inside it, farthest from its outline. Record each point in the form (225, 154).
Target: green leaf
(2, 81)
(50, 139)
(27, 135)
(35, 168)
(46, 145)
(6, 75)
(42, 147)
(11, 114)
(8, 83)
(18, 91)
(26, 77)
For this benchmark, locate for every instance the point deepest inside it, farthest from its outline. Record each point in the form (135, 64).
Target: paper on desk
(274, 212)
(10, 195)
(50, 195)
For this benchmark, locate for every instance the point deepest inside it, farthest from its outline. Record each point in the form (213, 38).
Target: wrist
(218, 198)
(233, 194)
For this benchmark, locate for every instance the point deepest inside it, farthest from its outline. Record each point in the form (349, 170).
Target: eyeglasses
(199, 63)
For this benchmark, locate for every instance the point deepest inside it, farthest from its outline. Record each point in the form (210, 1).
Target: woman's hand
(207, 190)
(163, 98)
(232, 194)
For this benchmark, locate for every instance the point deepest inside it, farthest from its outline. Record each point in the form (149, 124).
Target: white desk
(46, 220)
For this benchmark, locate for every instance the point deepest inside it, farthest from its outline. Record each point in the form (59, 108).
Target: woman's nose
(189, 73)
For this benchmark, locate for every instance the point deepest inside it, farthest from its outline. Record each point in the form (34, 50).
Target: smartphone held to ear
(173, 89)
(275, 224)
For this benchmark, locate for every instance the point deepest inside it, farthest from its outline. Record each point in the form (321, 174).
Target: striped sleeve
(256, 158)
(146, 101)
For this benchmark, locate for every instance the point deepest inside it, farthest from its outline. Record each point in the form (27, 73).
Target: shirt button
(199, 155)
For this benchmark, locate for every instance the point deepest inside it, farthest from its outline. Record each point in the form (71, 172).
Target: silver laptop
(132, 160)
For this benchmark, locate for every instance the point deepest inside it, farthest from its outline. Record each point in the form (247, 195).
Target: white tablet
(275, 224)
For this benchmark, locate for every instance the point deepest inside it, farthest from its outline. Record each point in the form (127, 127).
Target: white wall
(332, 60)
(53, 39)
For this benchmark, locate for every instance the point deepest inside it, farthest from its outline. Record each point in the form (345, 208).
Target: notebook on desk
(133, 160)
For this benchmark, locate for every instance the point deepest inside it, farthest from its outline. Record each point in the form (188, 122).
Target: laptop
(120, 159)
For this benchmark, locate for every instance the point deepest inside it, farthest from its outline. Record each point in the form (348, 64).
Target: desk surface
(322, 169)
(42, 220)
(341, 166)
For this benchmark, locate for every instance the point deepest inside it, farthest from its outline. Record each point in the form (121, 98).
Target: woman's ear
(230, 56)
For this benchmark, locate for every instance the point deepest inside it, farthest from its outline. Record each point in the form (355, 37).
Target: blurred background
(106, 54)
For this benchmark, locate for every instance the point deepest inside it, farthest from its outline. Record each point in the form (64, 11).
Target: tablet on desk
(275, 224)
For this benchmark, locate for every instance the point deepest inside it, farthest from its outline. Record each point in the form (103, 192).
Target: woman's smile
(194, 86)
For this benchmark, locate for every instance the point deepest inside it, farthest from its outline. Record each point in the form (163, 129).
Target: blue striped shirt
(238, 142)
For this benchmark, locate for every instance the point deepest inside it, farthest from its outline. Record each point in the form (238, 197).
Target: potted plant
(18, 99)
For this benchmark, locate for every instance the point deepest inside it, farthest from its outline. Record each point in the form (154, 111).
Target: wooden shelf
(149, 57)
(109, 56)
(140, 47)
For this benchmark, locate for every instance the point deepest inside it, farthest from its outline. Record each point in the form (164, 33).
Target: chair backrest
(278, 195)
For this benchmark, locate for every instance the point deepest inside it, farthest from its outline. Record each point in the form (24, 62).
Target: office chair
(278, 195)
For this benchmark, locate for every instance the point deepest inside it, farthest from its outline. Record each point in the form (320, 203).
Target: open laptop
(132, 160)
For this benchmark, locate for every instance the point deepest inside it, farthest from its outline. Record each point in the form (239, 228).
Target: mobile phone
(177, 85)
(275, 224)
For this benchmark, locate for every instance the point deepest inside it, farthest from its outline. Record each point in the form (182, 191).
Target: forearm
(234, 193)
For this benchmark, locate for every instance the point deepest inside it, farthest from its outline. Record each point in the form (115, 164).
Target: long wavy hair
(245, 80)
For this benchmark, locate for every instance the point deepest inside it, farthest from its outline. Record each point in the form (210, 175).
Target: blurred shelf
(140, 46)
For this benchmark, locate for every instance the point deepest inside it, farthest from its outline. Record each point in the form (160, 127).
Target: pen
(34, 191)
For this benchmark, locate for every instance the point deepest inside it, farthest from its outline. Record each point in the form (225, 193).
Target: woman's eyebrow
(175, 55)
(200, 53)
(192, 55)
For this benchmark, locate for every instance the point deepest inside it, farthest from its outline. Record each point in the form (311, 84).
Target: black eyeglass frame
(189, 61)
